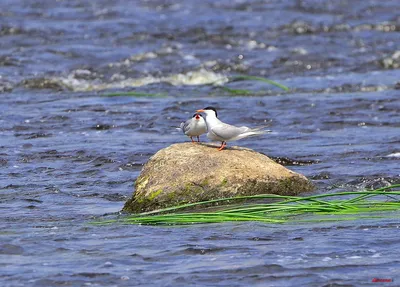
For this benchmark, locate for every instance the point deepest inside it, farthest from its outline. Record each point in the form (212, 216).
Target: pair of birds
(216, 130)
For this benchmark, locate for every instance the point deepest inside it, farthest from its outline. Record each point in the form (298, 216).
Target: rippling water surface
(70, 154)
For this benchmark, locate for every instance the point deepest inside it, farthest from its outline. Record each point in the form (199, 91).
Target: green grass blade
(261, 79)
(286, 209)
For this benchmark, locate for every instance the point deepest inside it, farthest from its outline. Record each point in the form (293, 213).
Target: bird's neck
(212, 121)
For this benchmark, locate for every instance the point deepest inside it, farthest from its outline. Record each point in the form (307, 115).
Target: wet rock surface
(187, 173)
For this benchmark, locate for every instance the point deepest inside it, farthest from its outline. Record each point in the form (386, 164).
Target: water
(70, 155)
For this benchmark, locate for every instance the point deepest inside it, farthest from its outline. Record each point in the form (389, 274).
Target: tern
(220, 131)
(194, 127)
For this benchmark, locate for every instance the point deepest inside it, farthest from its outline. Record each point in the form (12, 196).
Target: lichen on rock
(186, 173)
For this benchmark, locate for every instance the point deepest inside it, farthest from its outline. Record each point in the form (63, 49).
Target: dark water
(69, 155)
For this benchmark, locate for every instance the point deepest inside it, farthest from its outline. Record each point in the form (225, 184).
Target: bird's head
(197, 116)
(208, 111)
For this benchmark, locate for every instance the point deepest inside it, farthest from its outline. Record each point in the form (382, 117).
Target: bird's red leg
(223, 144)
(198, 139)
(192, 139)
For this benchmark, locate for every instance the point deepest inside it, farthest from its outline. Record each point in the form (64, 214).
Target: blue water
(70, 155)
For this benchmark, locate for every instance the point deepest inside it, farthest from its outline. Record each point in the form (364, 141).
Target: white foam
(396, 154)
(192, 78)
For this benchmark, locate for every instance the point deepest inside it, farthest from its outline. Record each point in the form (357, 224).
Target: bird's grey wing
(185, 126)
(226, 131)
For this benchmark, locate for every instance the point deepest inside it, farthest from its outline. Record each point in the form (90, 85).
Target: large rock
(187, 172)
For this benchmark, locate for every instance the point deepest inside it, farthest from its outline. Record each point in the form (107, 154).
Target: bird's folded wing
(185, 126)
(226, 131)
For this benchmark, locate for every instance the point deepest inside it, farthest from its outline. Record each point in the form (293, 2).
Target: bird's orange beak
(200, 111)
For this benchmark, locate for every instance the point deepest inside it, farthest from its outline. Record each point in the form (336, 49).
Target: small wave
(192, 78)
(396, 154)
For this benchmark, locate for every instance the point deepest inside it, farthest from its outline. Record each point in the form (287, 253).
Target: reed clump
(279, 209)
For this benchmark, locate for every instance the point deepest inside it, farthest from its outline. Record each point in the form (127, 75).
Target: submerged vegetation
(322, 207)
(224, 88)
(260, 79)
(243, 92)
(135, 94)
